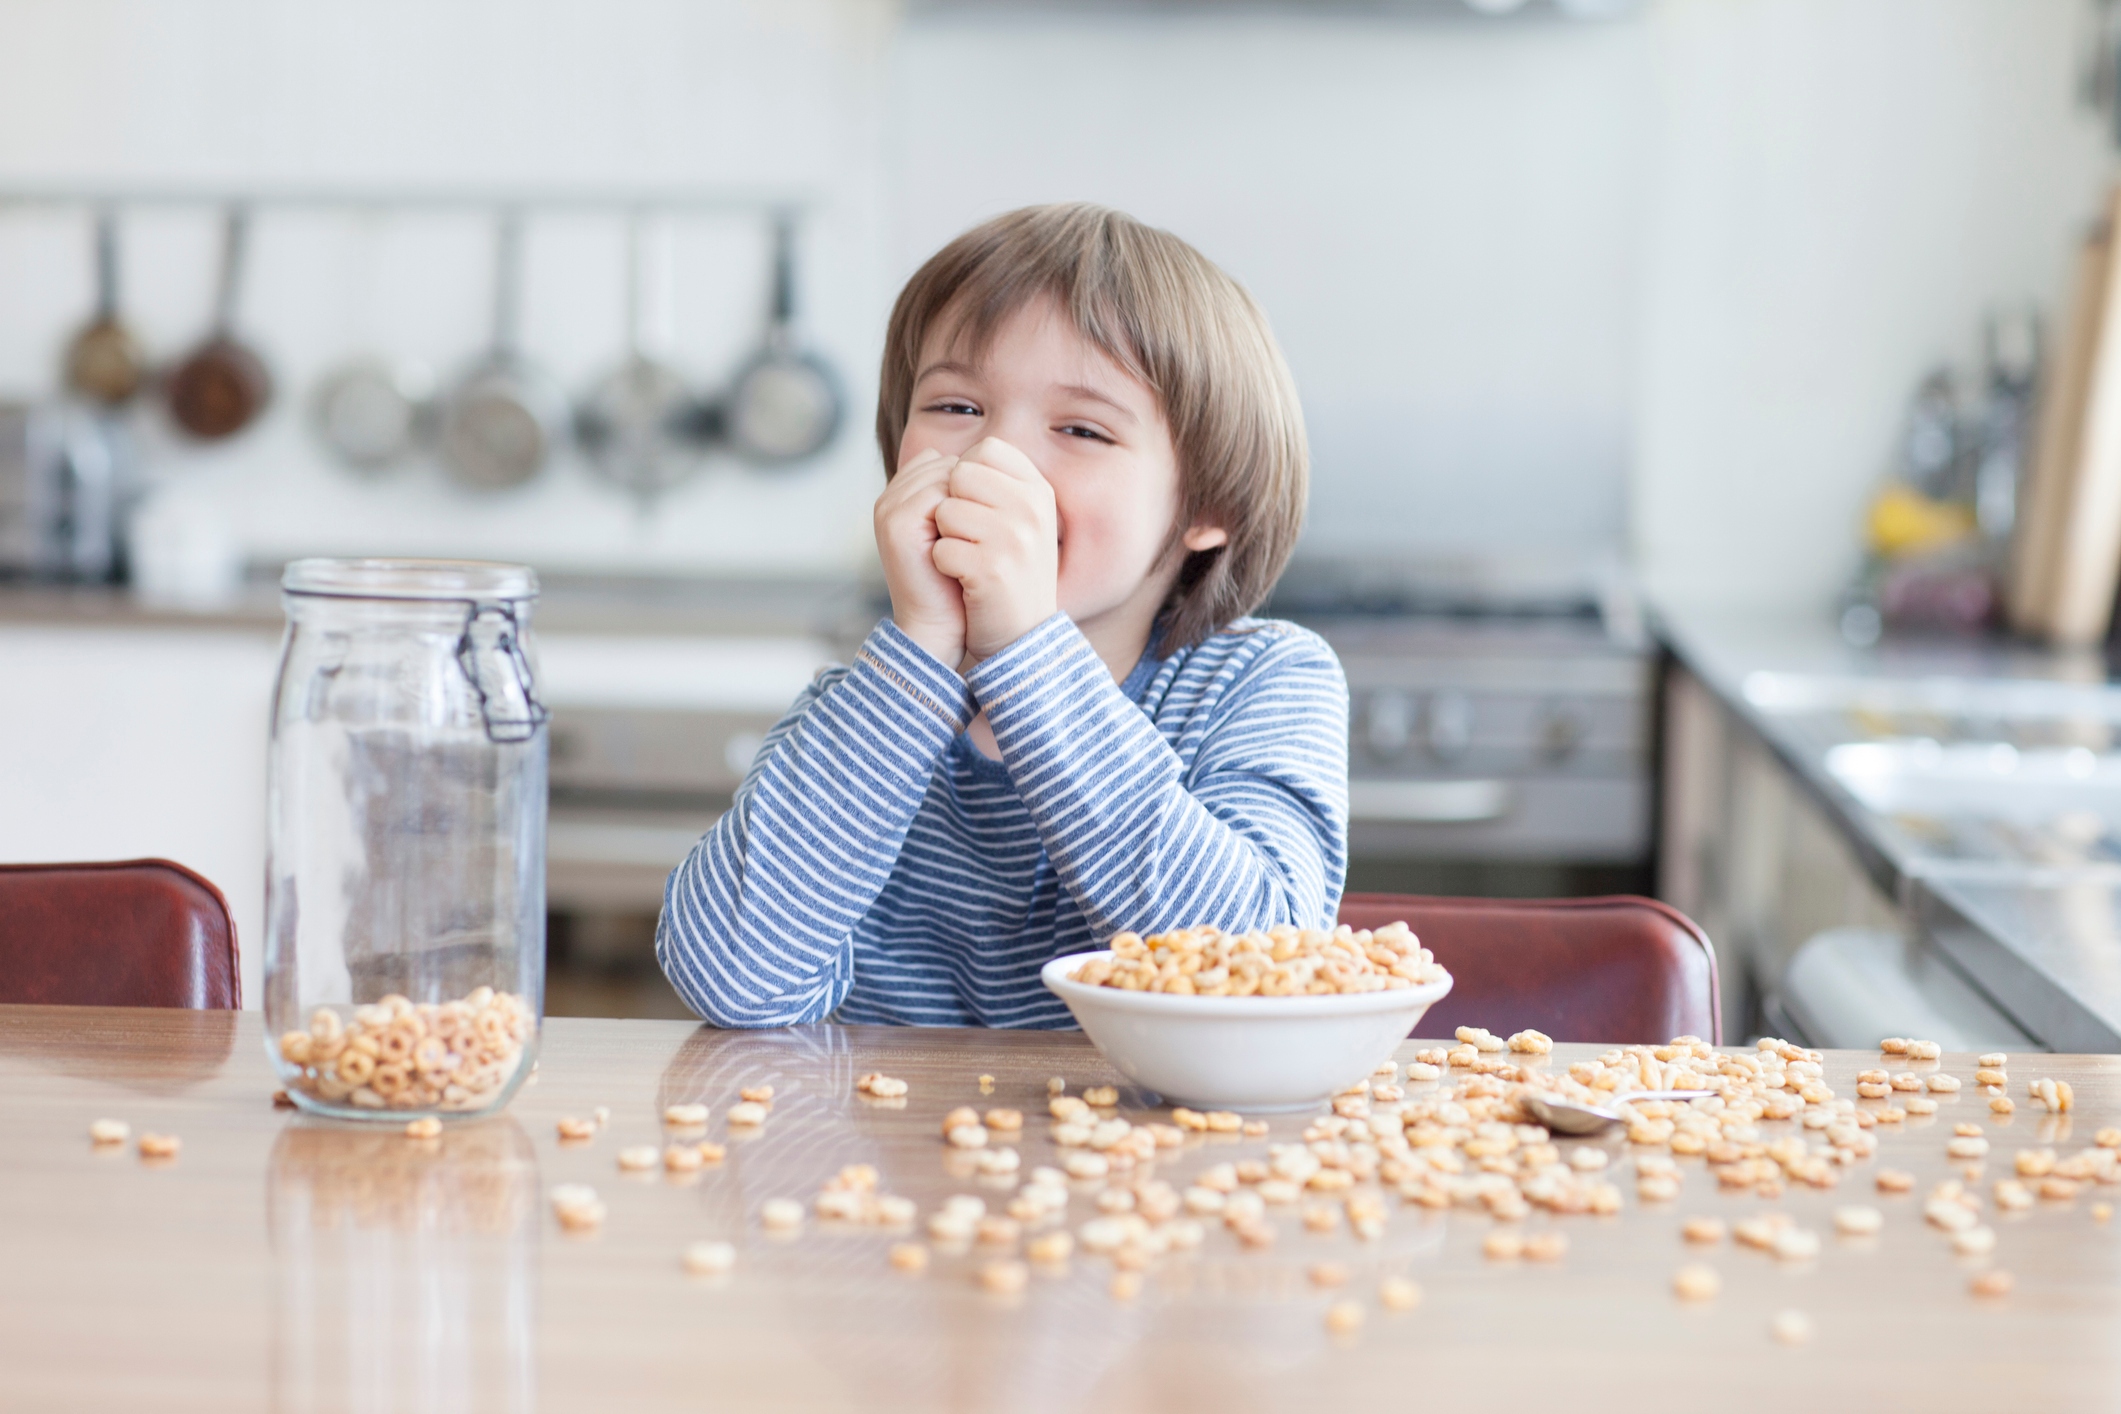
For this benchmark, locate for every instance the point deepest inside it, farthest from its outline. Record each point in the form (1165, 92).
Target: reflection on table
(405, 1270)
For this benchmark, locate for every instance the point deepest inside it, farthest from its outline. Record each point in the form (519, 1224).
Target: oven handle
(1428, 802)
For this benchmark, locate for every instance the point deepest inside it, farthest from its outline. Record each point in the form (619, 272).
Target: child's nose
(1017, 428)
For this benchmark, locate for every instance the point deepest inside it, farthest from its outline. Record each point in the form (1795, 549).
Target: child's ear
(1205, 537)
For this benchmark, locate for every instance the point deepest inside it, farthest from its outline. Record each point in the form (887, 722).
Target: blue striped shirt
(875, 866)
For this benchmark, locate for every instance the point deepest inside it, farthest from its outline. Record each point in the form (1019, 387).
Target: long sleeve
(1249, 833)
(758, 922)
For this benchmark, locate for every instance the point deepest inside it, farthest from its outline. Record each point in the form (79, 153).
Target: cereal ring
(432, 1056)
(390, 1080)
(355, 1067)
(395, 1045)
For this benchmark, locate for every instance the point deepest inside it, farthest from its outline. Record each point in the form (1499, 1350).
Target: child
(1067, 727)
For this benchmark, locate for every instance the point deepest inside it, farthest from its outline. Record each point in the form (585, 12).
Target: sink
(1989, 800)
(2026, 713)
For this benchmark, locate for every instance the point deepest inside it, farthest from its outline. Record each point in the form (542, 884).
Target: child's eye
(955, 406)
(1076, 429)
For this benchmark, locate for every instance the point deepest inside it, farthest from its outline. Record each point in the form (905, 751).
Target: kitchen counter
(283, 1263)
(723, 607)
(1973, 781)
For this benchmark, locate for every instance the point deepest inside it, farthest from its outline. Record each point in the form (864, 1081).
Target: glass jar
(405, 878)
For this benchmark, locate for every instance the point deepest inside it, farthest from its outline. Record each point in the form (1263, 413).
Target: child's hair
(1166, 313)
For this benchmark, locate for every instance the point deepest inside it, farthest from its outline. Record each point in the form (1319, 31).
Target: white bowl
(1263, 1054)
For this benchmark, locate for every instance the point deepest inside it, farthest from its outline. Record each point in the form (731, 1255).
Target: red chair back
(1620, 971)
(133, 932)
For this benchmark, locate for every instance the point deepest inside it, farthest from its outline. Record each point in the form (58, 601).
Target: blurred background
(1609, 319)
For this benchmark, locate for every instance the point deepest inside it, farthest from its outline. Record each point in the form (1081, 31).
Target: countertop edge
(1998, 965)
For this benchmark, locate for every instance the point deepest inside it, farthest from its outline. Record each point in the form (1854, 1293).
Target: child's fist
(926, 604)
(998, 539)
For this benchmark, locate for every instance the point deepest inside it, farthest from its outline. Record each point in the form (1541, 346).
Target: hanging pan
(634, 425)
(505, 416)
(784, 405)
(220, 387)
(371, 411)
(105, 362)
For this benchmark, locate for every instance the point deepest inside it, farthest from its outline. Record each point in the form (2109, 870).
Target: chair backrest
(132, 932)
(1621, 971)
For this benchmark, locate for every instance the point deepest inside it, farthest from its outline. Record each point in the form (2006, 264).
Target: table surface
(286, 1264)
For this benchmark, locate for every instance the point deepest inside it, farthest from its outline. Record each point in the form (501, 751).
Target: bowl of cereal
(1265, 1021)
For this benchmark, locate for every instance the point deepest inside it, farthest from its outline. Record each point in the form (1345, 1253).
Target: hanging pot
(505, 415)
(220, 387)
(635, 424)
(370, 411)
(105, 363)
(784, 404)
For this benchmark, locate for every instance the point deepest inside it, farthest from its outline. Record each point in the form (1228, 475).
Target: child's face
(1096, 433)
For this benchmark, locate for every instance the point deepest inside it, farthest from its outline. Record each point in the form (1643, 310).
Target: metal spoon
(1568, 1117)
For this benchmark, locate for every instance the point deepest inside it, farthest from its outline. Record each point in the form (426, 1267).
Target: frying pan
(785, 403)
(220, 387)
(371, 411)
(105, 362)
(505, 414)
(635, 425)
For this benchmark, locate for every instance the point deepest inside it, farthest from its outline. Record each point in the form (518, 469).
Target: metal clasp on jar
(499, 673)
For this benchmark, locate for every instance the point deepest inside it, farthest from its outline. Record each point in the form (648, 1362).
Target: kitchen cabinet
(1914, 839)
(128, 741)
(1748, 854)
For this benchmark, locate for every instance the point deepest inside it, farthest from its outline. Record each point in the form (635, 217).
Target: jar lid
(410, 579)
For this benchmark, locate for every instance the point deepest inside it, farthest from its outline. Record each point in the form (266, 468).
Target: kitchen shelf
(661, 200)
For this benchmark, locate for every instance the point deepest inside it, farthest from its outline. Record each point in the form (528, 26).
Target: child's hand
(999, 541)
(926, 604)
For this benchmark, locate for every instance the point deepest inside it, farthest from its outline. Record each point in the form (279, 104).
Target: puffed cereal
(708, 1259)
(1696, 1282)
(1279, 962)
(395, 1054)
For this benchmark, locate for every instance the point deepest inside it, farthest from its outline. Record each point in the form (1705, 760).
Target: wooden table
(288, 1265)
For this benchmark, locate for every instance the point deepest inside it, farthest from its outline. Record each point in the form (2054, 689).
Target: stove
(1493, 718)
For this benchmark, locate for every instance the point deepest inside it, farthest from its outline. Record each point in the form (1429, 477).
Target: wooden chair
(133, 932)
(1622, 971)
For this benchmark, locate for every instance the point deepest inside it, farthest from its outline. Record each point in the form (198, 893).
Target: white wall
(1841, 189)
(1441, 220)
